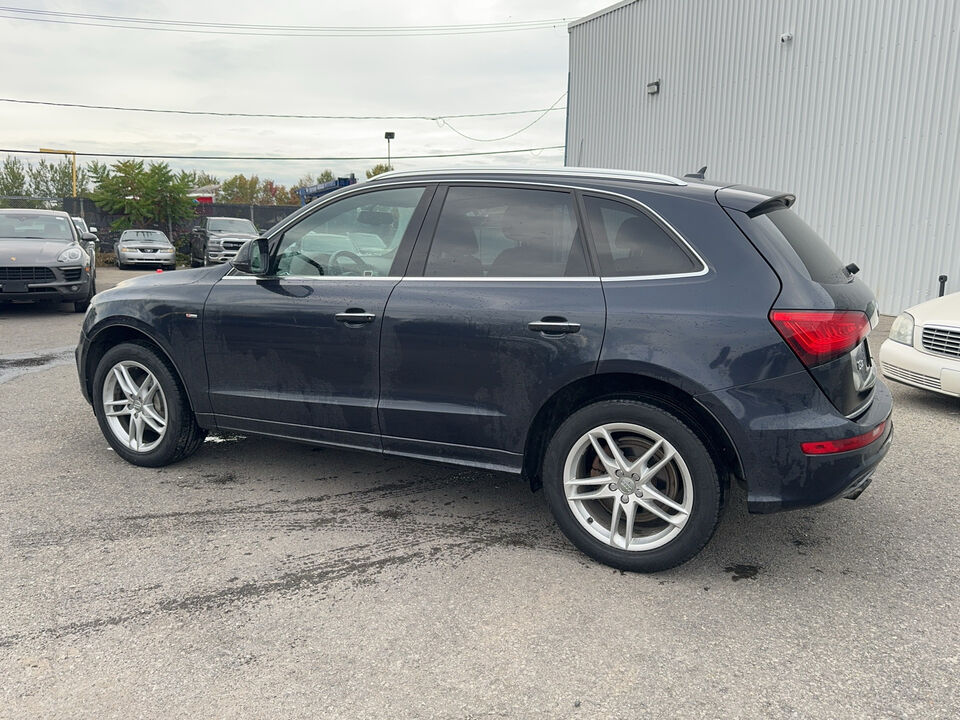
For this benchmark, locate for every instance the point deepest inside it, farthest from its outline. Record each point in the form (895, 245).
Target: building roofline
(599, 13)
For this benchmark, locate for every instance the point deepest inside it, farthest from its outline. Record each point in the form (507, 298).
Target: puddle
(12, 366)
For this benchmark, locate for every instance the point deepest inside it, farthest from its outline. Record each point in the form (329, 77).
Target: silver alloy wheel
(628, 487)
(135, 406)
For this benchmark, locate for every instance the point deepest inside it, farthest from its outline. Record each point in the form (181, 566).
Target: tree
(55, 179)
(240, 189)
(197, 178)
(13, 177)
(377, 169)
(143, 196)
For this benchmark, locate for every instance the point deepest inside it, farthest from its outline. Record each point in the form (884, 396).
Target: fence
(263, 216)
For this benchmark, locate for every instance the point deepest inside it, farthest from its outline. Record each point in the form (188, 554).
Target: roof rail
(566, 171)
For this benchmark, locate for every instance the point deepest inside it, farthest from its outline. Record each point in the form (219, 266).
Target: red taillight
(819, 336)
(826, 447)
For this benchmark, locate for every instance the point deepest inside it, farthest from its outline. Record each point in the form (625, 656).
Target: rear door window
(507, 232)
(817, 257)
(631, 243)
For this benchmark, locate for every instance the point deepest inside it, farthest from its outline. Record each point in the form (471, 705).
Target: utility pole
(73, 156)
(389, 135)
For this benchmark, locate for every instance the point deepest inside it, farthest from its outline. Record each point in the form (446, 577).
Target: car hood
(939, 311)
(217, 235)
(142, 244)
(31, 251)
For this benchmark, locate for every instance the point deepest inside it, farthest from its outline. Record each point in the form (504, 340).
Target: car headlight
(902, 329)
(72, 254)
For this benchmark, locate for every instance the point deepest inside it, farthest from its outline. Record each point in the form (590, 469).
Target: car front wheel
(142, 408)
(631, 485)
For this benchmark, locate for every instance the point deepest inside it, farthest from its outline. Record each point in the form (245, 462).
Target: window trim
(411, 272)
(667, 228)
(275, 234)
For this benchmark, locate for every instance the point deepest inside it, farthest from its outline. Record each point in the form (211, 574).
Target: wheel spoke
(652, 492)
(148, 389)
(126, 383)
(645, 458)
(651, 473)
(153, 419)
(136, 434)
(601, 492)
(630, 514)
(117, 413)
(614, 522)
(611, 458)
(594, 480)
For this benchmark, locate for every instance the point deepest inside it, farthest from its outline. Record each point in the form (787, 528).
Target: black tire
(183, 436)
(194, 263)
(703, 514)
(120, 265)
(82, 305)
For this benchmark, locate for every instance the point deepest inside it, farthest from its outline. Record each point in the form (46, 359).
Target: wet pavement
(264, 579)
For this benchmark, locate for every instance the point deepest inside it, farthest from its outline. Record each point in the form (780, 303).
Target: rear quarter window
(821, 262)
(630, 243)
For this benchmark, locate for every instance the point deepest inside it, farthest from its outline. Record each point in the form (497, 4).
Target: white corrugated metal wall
(858, 115)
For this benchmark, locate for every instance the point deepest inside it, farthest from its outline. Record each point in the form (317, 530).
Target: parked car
(923, 348)
(44, 258)
(145, 247)
(217, 239)
(81, 225)
(630, 342)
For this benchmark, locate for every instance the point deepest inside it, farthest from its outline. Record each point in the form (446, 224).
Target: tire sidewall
(703, 473)
(166, 451)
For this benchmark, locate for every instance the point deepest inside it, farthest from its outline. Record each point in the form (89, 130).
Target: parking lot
(259, 579)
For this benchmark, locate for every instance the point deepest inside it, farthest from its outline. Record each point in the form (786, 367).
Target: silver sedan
(145, 247)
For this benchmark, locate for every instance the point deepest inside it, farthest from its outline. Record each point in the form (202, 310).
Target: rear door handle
(354, 316)
(552, 326)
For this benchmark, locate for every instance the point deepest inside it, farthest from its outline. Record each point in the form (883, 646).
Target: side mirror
(196, 229)
(253, 257)
(93, 230)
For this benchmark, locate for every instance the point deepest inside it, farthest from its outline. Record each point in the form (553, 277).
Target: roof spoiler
(753, 201)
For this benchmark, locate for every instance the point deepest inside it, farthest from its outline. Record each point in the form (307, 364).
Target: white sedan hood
(939, 311)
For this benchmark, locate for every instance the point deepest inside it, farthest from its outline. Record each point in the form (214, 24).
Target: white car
(923, 349)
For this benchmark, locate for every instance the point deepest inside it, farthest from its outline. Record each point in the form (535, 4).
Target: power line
(323, 159)
(214, 113)
(219, 28)
(510, 135)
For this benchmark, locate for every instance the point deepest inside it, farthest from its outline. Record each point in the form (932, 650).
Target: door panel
(297, 354)
(460, 366)
(281, 362)
(505, 312)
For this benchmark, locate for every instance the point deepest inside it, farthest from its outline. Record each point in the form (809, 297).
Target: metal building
(853, 105)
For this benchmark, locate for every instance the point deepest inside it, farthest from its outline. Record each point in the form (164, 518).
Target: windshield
(235, 225)
(153, 236)
(35, 226)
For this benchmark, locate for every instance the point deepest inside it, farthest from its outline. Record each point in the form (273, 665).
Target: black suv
(216, 239)
(629, 342)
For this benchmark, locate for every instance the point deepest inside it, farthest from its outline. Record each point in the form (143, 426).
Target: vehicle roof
(736, 196)
(17, 211)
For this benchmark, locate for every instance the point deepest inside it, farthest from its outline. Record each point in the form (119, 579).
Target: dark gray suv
(631, 343)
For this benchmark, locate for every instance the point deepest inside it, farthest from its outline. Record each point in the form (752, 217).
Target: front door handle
(355, 316)
(554, 326)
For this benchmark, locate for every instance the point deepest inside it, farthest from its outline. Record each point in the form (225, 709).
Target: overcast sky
(358, 76)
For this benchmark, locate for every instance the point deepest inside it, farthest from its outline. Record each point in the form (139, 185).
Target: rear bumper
(768, 421)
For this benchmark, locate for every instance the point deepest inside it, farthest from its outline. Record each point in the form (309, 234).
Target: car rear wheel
(631, 485)
(142, 408)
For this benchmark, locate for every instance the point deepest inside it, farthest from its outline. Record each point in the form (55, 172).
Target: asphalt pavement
(264, 579)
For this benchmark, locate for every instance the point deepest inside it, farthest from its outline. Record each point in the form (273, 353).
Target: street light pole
(389, 135)
(73, 156)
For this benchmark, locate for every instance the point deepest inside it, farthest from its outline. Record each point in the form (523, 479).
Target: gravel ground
(261, 579)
